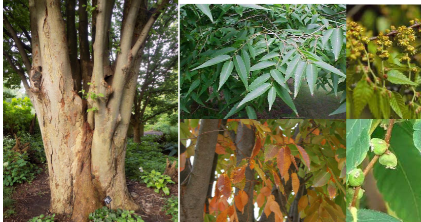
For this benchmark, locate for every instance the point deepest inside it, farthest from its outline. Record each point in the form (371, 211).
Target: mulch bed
(33, 199)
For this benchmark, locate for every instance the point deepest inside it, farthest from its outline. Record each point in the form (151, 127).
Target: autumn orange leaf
(274, 207)
(284, 162)
(304, 155)
(213, 204)
(323, 142)
(260, 200)
(238, 174)
(182, 161)
(265, 191)
(293, 161)
(224, 185)
(267, 209)
(331, 188)
(295, 183)
(220, 149)
(223, 204)
(316, 131)
(302, 203)
(278, 182)
(270, 152)
(222, 217)
(257, 146)
(241, 200)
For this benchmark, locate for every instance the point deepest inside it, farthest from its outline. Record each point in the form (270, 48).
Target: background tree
(82, 89)
(157, 88)
(237, 59)
(292, 169)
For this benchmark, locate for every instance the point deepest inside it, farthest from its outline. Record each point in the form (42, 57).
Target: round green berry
(378, 146)
(389, 160)
(350, 194)
(356, 177)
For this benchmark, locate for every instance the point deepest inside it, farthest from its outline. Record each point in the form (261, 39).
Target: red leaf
(220, 149)
(224, 185)
(304, 155)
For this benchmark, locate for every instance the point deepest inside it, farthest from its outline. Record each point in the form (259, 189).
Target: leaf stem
(373, 161)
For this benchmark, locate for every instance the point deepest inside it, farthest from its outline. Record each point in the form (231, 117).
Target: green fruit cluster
(380, 148)
(356, 177)
(350, 194)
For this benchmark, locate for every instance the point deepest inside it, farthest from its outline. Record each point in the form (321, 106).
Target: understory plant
(237, 59)
(158, 181)
(392, 149)
(105, 214)
(383, 72)
(43, 218)
(171, 208)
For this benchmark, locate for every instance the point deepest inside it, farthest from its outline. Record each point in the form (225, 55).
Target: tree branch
(19, 43)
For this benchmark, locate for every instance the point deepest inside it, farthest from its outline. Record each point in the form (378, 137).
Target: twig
(394, 32)
(373, 161)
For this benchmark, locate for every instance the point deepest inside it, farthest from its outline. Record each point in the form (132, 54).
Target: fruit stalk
(373, 161)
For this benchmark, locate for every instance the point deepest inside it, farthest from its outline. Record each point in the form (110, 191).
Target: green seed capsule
(389, 160)
(378, 146)
(356, 178)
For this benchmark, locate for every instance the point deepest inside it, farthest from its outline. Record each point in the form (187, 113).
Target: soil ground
(33, 199)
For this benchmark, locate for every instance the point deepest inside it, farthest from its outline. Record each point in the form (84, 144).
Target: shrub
(8, 201)
(171, 208)
(42, 218)
(158, 181)
(105, 214)
(17, 115)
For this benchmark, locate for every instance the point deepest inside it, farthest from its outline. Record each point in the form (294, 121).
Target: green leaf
(396, 77)
(255, 93)
(233, 110)
(374, 105)
(241, 70)
(259, 81)
(417, 134)
(223, 51)
(279, 78)
(252, 51)
(337, 42)
(329, 68)
(269, 56)
(398, 104)
(326, 37)
(361, 95)
(251, 113)
(321, 179)
(364, 215)
(213, 61)
(299, 71)
(271, 97)
(287, 56)
(253, 6)
(193, 86)
(205, 9)
(341, 109)
(225, 73)
(246, 59)
(312, 75)
(262, 65)
(401, 187)
(291, 66)
(385, 105)
(357, 142)
(283, 93)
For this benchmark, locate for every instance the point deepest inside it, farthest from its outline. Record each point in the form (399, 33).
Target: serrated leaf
(417, 134)
(329, 68)
(337, 42)
(279, 78)
(216, 60)
(283, 93)
(385, 106)
(299, 71)
(205, 9)
(251, 113)
(374, 106)
(295, 182)
(255, 93)
(321, 179)
(287, 56)
(223, 51)
(269, 56)
(271, 97)
(396, 77)
(259, 81)
(397, 103)
(361, 95)
(304, 155)
(262, 65)
(193, 86)
(246, 59)
(225, 73)
(403, 196)
(312, 75)
(357, 142)
(291, 66)
(326, 37)
(241, 70)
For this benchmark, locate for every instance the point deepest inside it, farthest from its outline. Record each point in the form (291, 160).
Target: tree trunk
(138, 131)
(85, 156)
(193, 194)
(244, 141)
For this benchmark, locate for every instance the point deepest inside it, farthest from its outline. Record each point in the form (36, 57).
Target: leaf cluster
(108, 215)
(158, 181)
(171, 208)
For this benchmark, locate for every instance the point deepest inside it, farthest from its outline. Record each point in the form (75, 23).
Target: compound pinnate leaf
(216, 60)
(337, 42)
(311, 74)
(255, 93)
(205, 9)
(401, 187)
(259, 81)
(279, 78)
(271, 97)
(357, 142)
(225, 73)
(396, 77)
